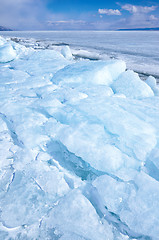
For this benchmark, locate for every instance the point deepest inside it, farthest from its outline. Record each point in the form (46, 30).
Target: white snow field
(79, 148)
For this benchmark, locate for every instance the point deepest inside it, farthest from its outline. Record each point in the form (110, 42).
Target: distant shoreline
(2, 29)
(5, 29)
(139, 29)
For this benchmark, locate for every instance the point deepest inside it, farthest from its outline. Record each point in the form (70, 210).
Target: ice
(131, 85)
(101, 155)
(66, 52)
(7, 53)
(79, 148)
(134, 203)
(2, 41)
(37, 64)
(151, 81)
(80, 219)
(85, 54)
(5, 144)
(96, 72)
(99, 126)
(140, 55)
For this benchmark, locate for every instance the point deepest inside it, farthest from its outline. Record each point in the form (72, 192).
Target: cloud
(109, 11)
(23, 14)
(138, 9)
(67, 22)
(153, 18)
(35, 15)
(71, 25)
(140, 16)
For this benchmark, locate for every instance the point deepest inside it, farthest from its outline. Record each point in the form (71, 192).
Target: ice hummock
(131, 86)
(87, 72)
(7, 53)
(66, 52)
(79, 147)
(151, 81)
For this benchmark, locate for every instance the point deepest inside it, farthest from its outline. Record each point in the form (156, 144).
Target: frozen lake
(139, 49)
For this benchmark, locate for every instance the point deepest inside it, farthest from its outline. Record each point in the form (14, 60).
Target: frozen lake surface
(79, 139)
(139, 49)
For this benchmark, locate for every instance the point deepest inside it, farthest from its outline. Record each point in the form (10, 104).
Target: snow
(79, 148)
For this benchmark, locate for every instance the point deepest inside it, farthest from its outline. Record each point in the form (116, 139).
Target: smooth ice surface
(79, 148)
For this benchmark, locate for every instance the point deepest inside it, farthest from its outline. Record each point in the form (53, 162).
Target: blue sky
(78, 14)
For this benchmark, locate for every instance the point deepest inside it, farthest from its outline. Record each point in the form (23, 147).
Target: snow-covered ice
(79, 148)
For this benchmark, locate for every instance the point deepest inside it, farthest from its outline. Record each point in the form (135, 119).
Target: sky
(78, 14)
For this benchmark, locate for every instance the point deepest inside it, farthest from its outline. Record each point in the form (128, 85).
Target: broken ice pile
(79, 148)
